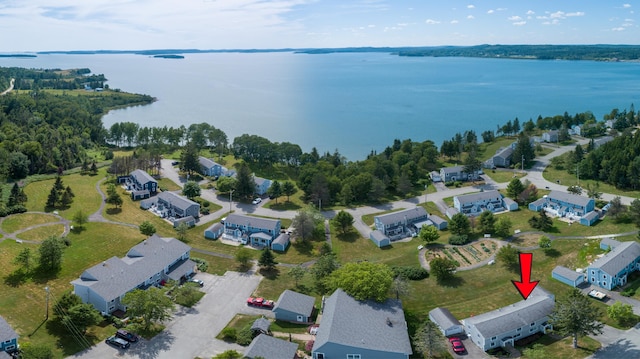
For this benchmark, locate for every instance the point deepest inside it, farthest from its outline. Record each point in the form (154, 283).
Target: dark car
(128, 336)
(457, 345)
(117, 342)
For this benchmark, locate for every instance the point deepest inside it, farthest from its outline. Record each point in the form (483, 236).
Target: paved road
(618, 344)
(9, 89)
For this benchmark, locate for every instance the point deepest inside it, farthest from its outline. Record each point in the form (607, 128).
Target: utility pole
(523, 163)
(230, 199)
(47, 303)
(425, 193)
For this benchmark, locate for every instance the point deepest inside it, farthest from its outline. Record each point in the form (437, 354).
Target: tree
(428, 340)
(189, 159)
(400, 286)
(66, 199)
(503, 227)
(267, 260)
(514, 188)
(322, 269)
(472, 163)
(343, 220)
(16, 196)
(191, 190)
(541, 222)
(593, 190)
(24, 259)
(36, 351)
(460, 224)
(53, 198)
(429, 234)
(94, 168)
(181, 231)
(289, 189)
(577, 190)
(297, 272)
(508, 256)
(634, 212)
(226, 184)
(151, 305)
(245, 183)
(18, 165)
(544, 242)
(50, 251)
(442, 268)
(81, 316)
(80, 218)
(487, 222)
(275, 190)
(537, 351)
(616, 209)
(113, 197)
(621, 312)
(363, 280)
(305, 223)
(243, 257)
(576, 315)
(228, 354)
(66, 302)
(147, 228)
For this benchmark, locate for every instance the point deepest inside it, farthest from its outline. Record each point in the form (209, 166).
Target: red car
(260, 302)
(457, 345)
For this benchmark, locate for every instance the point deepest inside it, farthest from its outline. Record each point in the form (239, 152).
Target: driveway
(618, 343)
(191, 333)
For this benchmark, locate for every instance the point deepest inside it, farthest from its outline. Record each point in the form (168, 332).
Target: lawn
(486, 150)
(502, 176)
(563, 348)
(166, 184)
(41, 233)
(20, 221)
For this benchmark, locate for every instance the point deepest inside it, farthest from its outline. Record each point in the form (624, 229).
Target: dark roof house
(267, 347)
(294, 307)
(8, 337)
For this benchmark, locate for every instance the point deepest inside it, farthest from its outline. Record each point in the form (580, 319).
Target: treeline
(31, 79)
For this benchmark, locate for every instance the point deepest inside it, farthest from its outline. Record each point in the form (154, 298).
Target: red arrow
(525, 286)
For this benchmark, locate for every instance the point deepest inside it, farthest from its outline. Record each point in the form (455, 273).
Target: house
(141, 181)
(568, 276)
(8, 337)
(262, 185)
(400, 224)
(475, 203)
(607, 244)
(188, 220)
(447, 323)
(505, 325)
(451, 212)
(435, 176)
(502, 158)
(576, 130)
(566, 205)
(361, 329)
(281, 242)
(456, 173)
(267, 347)
(550, 136)
(177, 206)
(151, 262)
(438, 222)
(254, 230)
(214, 231)
(210, 168)
(510, 204)
(261, 325)
(294, 307)
(598, 142)
(379, 239)
(613, 269)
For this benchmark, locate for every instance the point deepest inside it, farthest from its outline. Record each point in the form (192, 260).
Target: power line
(76, 334)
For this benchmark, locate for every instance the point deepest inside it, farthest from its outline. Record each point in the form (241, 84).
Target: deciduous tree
(428, 340)
(80, 218)
(50, 251)
(81, 316)
(576, 315)
(151, 305)
(147, 228)
(305, 223)
(191, 190)
(442, 268)
(429, 234)
(243, 257)
(621, 312)
(343, 220)
(363, 280)
(503, 227)
(297, 272)
(275, 190)
(508, 256)
(289, 189)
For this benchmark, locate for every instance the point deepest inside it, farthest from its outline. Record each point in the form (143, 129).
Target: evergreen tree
(94, 168)
(53, 198)
(275, 190)
(245, 185)
(514, 188)
(428, 340)
(189, 159)
(487, 222)
(343, 220)
(267, 260)
(576, 315)
(460, 224)
(289, 189)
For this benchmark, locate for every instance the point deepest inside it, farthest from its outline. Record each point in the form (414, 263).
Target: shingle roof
(591, 215)
(142, 176)
(215, 227)
(205, 162)
(6, 332)
(443, 318)
(363, 324)
(377, 235)
(436, 219)
(295, 302)
(480, 196)
(282, 239)
(255, 222)
(570, 198)
(504, 152)
(454, 169)
(537, 306)
(609, 242)
(177, 200)
(395, 217)
(259, 180)
(269, 347)
(621, 256)
(117, 276)
(263, 324)
(567, 273)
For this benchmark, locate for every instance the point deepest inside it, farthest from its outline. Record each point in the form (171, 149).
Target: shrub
(201, 263)
(410, 273)
(629, 292)
(206, 204)
(245, 336)
(204, 210)
(459, 239)
(229, 334)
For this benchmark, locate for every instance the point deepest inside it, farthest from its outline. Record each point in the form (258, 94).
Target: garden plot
(466, 255)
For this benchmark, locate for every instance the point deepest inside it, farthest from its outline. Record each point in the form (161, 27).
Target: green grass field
(24, 220)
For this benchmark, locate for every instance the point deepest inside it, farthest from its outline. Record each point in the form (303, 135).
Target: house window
(604, 284)
(353, 356)
(494, 338)
(604, 276)
(519, 330)
(532, 324)
(319, 355)
(7, 341)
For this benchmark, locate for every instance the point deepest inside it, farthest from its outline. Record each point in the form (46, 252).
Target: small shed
(447, 323)
(214, 231)
(261, 325)
(608, 243)
(438, 222)
(142, 194)
(567, 276)
(589, 218)
(379, 239)
(510, 204)
(281, 243)
(189, 220)
(148, 203)
(294, 307)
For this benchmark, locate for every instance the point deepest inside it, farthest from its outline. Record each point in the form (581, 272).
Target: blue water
(353, 102)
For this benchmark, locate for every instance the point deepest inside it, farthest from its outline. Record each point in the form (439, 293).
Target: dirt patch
(527, 240)
(466, 255)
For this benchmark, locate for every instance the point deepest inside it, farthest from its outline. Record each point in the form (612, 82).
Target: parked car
(457, 345)
(257, 200)
(126, 335)
(260, 302)
(117, 342)
(196, 281)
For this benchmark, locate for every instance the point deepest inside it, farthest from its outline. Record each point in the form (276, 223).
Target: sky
(48, 25)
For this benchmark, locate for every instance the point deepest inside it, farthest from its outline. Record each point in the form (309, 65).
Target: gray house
(151, 262)
(502, 158)
(447, 323)
(294, 307)
(210, 168)
(214, 231)
(568, 276)
(141, 181)
(361, 329)
(177, 206)
(8, 338)
(505, 325)
(267, 347)
(281, 242)
(457, 173)
(400, 224)
(248, 229)
(475, 203)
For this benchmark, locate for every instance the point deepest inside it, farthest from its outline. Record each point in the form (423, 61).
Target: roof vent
(389, 323)
(104, 264)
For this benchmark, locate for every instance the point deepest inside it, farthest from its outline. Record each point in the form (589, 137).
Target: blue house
(142, 181)
(214, 231)
(8, 337)
(281, 242)
(361, 329)
(613, 269)
(262, 185)
(294, 307)
(379, 239)
(567, 205)
(457, 173)
(209, 167)
(568, 276)
(475, 203)
(400, 224)
(254, 230)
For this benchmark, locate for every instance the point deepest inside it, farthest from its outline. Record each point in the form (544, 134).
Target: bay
(353, 102)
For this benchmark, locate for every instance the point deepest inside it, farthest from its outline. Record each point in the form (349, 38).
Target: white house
(457, 173)
(447, 323)
(475, 203)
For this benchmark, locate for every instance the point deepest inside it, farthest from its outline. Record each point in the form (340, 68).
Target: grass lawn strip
(17, 222)
(41, 233)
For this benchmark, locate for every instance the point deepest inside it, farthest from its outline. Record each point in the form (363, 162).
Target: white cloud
(626, 6)
(501, 9)
(578, 13)
(432, 22)
(530, 12)
(626, 24)
(470, 7)
(519, 23)
(490, 11)
(470, 17)
(454, 21)
(514, 18)
(557, 15)
(618, 29)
